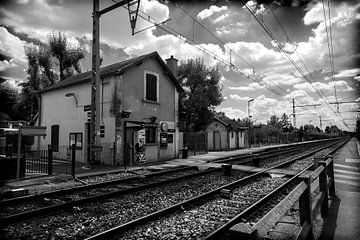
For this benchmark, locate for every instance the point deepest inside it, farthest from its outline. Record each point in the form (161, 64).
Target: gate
(39, 161)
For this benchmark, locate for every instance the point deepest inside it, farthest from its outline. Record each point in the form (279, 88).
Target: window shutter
(151, 87)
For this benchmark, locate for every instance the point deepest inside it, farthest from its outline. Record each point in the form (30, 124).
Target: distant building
(225, 134)
(143, 86)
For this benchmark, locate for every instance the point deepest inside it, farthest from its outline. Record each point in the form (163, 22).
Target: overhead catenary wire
(320, 93)
(220, 41)
(188, 40)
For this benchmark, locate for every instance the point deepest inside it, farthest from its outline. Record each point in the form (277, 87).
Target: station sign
(87, 108)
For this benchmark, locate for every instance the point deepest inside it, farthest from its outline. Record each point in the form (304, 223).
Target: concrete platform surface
(343, 222)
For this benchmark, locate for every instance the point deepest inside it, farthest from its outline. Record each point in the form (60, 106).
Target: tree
(41, 73)
(7, 100)
(275, 122)
(202, 92)
(68, 57)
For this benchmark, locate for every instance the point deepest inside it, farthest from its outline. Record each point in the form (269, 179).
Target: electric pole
(95, 80)
(294, 106)
(337, 103)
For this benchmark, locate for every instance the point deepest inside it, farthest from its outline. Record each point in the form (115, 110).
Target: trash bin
(9, 167)
(184, 153)
(226, 169)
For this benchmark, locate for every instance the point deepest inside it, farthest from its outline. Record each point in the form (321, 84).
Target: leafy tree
(202, 92)
(68, 57)
(7, 100)
(275, 122)
(41, 73)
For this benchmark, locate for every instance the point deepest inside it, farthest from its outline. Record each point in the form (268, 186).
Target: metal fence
(38, 162)
(195, 142)
(260, 137)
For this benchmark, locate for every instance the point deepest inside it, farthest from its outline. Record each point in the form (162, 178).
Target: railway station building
(139, 101)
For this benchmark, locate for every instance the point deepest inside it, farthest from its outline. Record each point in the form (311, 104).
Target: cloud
(257, 9)
(312, 87)
(12, 47)
(233, 113)
(208, 12)
(347, 73)
(238, 98)
(296, 94)
(221, 18)
(231, 29)
(250, 87)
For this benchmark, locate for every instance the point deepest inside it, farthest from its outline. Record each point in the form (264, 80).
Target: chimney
(172, 64)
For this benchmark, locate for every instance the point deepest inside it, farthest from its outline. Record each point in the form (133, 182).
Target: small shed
(225, 134)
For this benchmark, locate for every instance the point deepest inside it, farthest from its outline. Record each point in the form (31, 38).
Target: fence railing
(308, 207)
(195, 142)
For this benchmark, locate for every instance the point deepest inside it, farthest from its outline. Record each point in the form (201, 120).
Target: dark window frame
(55, 130)
(151, 135)
(151, 86)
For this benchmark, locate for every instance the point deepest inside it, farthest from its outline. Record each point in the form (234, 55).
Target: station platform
(343, 222)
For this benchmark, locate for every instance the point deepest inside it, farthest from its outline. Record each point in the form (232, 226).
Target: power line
(269, 32)
(220, 41)
(204, 50)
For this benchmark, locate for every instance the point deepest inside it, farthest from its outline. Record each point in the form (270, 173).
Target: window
(76, 138)
(151, 86)
(150, 135)
(55, 138)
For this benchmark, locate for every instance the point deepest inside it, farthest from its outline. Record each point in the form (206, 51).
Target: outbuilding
(225, 134)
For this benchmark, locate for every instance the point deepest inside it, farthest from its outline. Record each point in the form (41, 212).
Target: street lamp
(249, 116)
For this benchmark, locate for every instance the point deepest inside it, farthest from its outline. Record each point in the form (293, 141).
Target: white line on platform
(346, 176)
(347, 172)
(346, 166)
(347, 182)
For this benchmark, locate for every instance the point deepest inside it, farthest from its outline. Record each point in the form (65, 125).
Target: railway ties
(147, 206)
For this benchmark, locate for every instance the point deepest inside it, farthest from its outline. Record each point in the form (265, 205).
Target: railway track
(210, 215)
(100, 221)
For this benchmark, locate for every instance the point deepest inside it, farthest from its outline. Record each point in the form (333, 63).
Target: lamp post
(249, 116)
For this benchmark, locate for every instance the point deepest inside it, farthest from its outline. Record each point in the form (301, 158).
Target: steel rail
(187, 203)
(22, 199)
(253, 208)
(11, 219)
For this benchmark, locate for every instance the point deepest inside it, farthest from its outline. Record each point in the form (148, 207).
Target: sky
(289, 59)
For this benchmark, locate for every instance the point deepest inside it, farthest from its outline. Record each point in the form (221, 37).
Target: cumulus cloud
(347, 73)
(12, 47)
(296, 94)
(312, 87)
(232, 112)
(250, 87)
(238, 98)
(208, 12)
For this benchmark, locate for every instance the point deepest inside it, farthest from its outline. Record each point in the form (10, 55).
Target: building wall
(129, 89)
(133, 98)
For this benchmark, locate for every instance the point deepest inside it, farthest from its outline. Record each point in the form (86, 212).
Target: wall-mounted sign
(163, 140)
(170, 138)
(87, 108)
